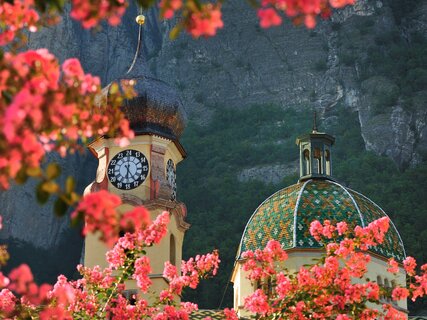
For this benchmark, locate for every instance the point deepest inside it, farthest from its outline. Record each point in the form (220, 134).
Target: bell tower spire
(144, 172)
(315, 154)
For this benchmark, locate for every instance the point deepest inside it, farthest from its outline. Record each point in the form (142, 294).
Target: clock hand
(127, 171)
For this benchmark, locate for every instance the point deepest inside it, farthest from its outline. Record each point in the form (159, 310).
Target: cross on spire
(314, 122)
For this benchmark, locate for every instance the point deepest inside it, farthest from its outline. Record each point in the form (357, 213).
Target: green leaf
(21, 177)
(50, 187)
(253, 3)
(34, 172)
(114, 88)
(76, 221)
(198, 4)
(60, 207)
(74, 197)
(41, 195)
(146, 3)
(53, 170)
(174, 33)
(70, 184)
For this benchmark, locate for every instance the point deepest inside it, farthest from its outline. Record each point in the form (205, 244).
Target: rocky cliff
(366, 59)
(331, 66)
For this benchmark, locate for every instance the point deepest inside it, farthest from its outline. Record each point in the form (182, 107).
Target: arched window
(386, 283)
(380, 284)
(387, 287)
(379, 280)
(306, 165)
(328, 162)
(317, 161)
(172, 252)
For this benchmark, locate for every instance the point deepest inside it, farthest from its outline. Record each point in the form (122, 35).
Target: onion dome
(286, 215)
(156, 108)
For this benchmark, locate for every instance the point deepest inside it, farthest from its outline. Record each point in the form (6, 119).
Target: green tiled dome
(286, 215)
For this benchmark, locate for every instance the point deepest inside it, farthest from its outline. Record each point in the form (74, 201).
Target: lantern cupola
(315, 154)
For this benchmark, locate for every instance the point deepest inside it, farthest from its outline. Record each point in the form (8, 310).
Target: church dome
(286, 215)
(156, 108)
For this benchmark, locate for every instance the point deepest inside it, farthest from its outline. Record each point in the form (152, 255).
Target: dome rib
(385, 214)
(247, 245)
(362, 220)
(296, 213)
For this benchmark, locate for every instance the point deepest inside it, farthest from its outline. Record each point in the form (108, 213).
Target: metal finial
(140, 20)
(315, 122)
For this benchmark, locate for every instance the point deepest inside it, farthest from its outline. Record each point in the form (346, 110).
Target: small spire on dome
(314, 122)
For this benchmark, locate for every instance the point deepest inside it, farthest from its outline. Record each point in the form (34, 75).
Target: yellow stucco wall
(158, 254)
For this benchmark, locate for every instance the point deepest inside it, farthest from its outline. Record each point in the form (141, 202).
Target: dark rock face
(324, 68)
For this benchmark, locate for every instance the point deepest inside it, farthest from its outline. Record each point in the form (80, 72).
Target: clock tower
(144, 172)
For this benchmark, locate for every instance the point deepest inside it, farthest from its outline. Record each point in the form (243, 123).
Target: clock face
(171, 177)
(128, 169)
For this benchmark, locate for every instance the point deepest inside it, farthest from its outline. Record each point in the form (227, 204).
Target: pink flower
(399, 293)
(165, 296)
(394, 267)
(4, 281)
(55, 313)
(316, 230)
(136, 219)
(169, 271)
(269, 17)
(20, 278)
(169, 7)
(141, 273)
(328, 229)
(230, 314)
(257, 302)
(63, 292)
(283, 285)
(73, 69)
(341, 3)
(7, 301)
(205, 21)
(275, 251)
(155, 231)
(116, 257)
(90, 13)
(99, 209)
(409, 264)
(342, 227)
